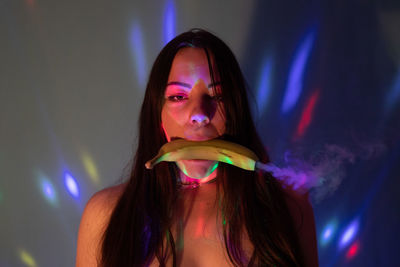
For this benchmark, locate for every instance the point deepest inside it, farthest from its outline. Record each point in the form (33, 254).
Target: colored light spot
(296, 74)
(200, 224)
(353, 250)
(349, 234)
(90, 168)
(264, 87)
(226, 159)
(30, 2)
(393, 95)
(138, 54)
(214, 167)
(71, 185)
(48, 191)
(46, 187)
(26, 258)
(328, 233)
(182, 167)
(307, 114)
(169, 21)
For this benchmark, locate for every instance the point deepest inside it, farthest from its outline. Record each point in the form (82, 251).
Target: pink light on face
(307, 114)
(353, 250)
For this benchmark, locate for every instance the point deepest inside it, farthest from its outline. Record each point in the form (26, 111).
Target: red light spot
(30, 2)
(306, 116)
(353, 250)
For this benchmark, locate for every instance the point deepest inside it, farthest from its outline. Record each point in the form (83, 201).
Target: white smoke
(323, 172)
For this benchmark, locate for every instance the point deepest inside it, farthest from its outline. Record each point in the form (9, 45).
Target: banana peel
(215, 149)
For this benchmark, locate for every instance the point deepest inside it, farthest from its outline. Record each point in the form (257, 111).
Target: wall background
(324, 80)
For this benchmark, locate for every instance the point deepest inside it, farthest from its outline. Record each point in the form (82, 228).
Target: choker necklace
(194, 184)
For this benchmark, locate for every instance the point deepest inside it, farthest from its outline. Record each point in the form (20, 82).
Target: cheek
(172, 121)
(220, 121)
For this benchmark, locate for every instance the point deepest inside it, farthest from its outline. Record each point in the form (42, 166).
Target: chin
(197, 169)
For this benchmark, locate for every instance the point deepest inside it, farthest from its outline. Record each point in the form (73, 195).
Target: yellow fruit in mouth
(215, 149)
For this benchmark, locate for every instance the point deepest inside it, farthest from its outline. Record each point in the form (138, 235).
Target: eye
(176, 98)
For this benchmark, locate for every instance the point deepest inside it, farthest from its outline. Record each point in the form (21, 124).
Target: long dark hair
(251, 201)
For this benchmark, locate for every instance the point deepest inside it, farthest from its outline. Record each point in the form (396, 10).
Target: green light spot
(27, 258)
(213, 169)
(228, 160)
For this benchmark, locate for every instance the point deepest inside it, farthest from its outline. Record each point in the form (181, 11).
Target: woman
(196, 212)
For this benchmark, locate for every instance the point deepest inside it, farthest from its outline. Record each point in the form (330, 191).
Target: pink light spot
(30, 2)
(353, 250)
(307, 114)
(199, 227)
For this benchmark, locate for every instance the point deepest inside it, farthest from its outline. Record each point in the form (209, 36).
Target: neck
(188, 181)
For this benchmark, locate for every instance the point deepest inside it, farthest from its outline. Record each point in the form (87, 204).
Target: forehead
(191, 64)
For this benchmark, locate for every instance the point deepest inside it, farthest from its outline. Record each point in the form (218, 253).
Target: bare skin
(94, 221)
(193, 112)
(202, 241)
(192, 109)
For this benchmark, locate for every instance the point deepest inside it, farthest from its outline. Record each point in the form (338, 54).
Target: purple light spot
(169, 21)
(71, 185)
(264, 84)
(138, 54)
(393, 95)
(349, 234)
(296, 75)
(47, 189)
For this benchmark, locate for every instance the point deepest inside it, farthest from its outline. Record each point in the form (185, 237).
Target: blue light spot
(264, 84)
(328, 233)
(71, 185)
(296, 75)
(349, 234)
(138, 54)
(393, 95)
(46, 187)
(169, 21)
(48, 191)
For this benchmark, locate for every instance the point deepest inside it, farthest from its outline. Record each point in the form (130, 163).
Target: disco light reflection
(328, 233)
(71, 185)
(296, 75)
(169, 21)
(349, 234)
(27, 258)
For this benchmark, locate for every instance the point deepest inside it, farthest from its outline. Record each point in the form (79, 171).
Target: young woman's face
(192, 110)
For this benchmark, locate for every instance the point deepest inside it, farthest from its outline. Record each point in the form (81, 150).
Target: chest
(198, 236)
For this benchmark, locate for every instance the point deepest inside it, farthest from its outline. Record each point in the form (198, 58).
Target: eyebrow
(189, 86)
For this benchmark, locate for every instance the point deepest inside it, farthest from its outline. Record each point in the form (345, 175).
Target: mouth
(198, 161)
(198, 138)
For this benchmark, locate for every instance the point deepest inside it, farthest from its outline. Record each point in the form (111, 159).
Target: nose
(199, 119)
(202, 110)
(202, 107)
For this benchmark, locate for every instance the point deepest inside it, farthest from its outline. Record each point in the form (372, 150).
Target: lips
(194, 138)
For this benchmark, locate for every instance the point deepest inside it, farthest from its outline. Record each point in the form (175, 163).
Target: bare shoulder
(94, 221)
(105, 200)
